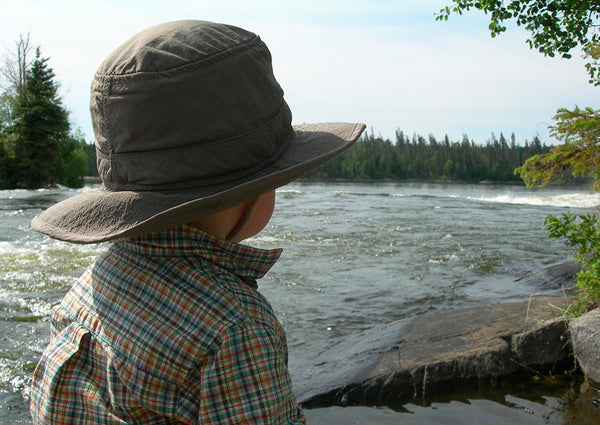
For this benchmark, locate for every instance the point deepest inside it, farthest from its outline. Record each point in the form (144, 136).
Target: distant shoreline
(574, 183)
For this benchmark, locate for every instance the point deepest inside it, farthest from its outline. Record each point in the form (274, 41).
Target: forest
(421, 158)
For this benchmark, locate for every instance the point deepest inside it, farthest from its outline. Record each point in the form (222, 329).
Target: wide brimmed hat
(188, 120)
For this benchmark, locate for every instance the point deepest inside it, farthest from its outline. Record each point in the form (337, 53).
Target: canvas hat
(188, 121)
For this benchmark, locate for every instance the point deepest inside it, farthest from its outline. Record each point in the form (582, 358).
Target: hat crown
(171, 45)
(187, 104)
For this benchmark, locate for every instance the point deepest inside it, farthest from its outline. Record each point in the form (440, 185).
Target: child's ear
(259, 217)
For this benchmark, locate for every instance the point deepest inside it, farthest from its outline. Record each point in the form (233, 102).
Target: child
(192, 137)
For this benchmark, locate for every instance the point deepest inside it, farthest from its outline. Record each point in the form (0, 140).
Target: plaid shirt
(167, 328)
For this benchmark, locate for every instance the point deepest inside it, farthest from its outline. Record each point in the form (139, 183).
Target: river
(356, 255)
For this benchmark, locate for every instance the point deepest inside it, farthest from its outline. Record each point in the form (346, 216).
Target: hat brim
(103, 215)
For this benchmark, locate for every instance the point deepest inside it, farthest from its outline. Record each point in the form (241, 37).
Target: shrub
(582, 231)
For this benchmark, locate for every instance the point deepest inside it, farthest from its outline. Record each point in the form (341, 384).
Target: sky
(388, 64)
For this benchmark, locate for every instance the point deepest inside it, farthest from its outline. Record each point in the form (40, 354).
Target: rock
(556, 275)
(544, 345)
(412, 359)
(585, 336)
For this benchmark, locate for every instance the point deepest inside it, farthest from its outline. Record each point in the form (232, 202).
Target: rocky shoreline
(414, 359)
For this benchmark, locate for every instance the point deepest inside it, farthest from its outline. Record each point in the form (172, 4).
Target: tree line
(417, 158)
(421, 158)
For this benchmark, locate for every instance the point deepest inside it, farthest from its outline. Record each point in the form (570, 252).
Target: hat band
(202, 164)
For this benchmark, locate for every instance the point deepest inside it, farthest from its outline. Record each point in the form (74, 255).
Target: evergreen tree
(90, 152)
(73, 161)
(36, 147)
(5, 156)
(41, 122)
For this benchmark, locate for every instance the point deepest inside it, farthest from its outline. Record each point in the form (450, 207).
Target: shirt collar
(187, 241)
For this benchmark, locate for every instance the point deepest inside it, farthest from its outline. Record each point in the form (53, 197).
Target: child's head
(189, 121)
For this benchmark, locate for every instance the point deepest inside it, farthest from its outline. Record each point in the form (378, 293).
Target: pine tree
(41, 124)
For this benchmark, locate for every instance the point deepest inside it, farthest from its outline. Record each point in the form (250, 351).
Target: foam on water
(44, 251)
(567, 200)
(445, 258)
(289, 192)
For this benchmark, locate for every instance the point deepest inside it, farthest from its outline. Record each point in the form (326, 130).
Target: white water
(566, 200)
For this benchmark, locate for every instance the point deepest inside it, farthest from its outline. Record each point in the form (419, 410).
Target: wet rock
(585, 336)
(556, 275)
(415, 358)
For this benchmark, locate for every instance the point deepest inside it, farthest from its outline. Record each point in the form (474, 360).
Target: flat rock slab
(414, 358)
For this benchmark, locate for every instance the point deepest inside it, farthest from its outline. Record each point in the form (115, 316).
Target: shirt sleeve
(248, 382)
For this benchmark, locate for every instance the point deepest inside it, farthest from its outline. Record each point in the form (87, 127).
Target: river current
(356, 255)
